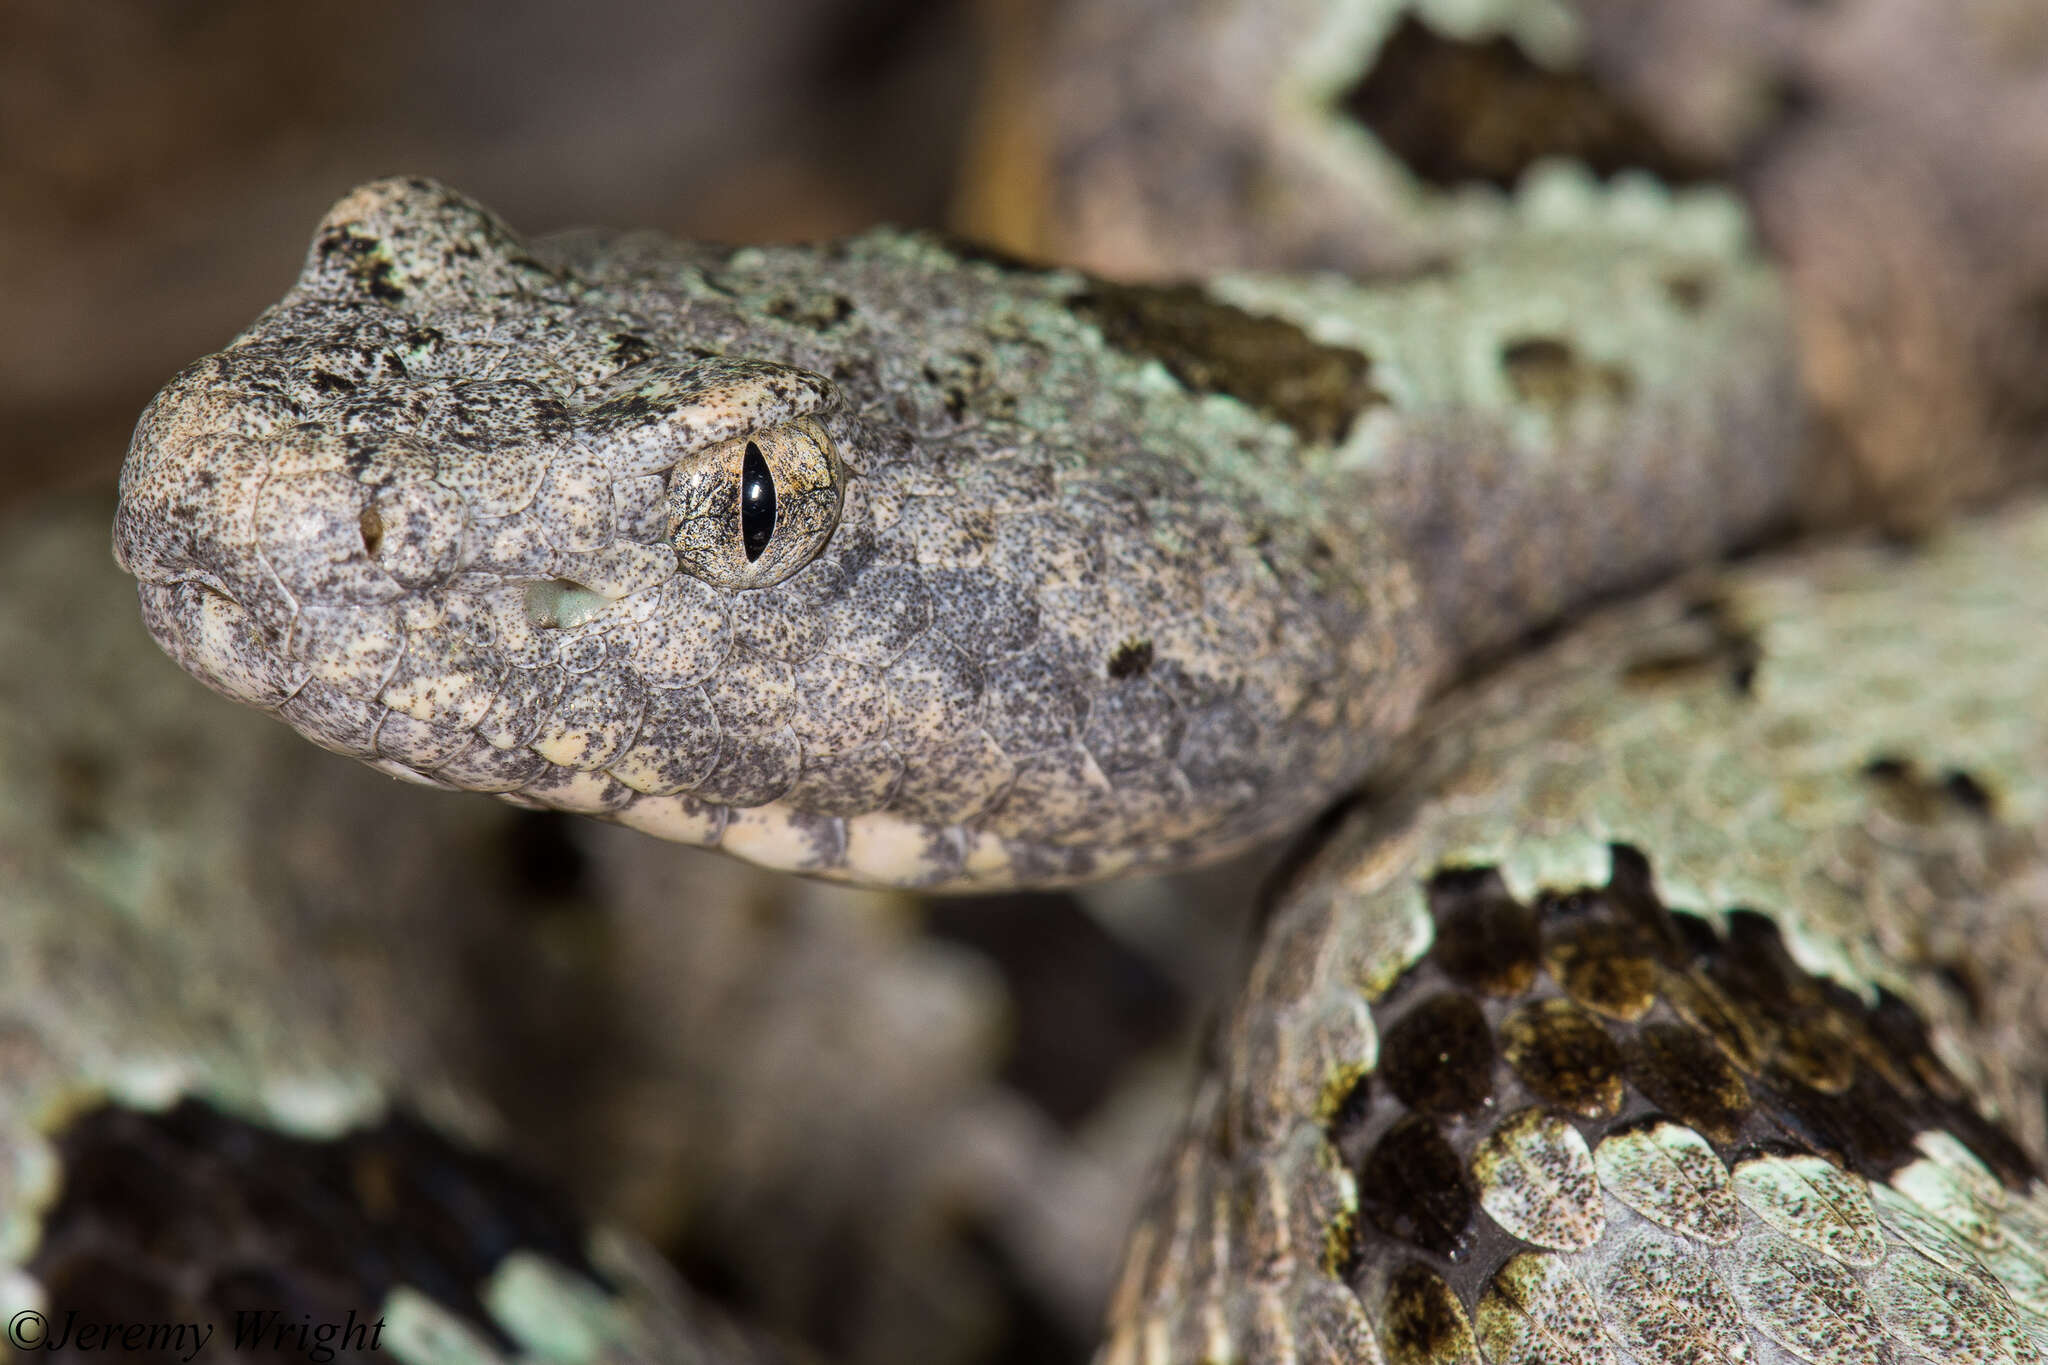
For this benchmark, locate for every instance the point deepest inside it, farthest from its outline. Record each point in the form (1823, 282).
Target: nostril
(372, 524)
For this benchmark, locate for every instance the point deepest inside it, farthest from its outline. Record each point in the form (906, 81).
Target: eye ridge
(757, 503)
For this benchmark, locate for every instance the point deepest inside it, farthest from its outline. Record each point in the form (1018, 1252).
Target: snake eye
(751, 511)
(757, 502)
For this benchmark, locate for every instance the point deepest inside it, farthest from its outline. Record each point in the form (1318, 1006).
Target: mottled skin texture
(1104, 595)
(201, 963)
(1462, 1093)
(1888, 149)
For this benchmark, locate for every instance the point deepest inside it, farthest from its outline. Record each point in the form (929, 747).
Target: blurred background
(165, 160)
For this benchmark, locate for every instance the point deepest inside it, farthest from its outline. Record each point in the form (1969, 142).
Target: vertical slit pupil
(757, 503)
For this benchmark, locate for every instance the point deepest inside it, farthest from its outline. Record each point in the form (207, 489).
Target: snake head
(867, 560)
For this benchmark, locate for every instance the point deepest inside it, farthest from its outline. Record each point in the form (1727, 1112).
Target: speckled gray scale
(1745, 1002)
(1122, 576)
(1943, 1315)
(1813, 1201)
(1670, 1307)
(1536, 1312)
(1536, 1179)
(1672, 1176)
(1806, 1302)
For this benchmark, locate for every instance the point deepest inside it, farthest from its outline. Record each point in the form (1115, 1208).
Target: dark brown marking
(361, 258)
(958, 377)
(1899, 1035)
(1565, 1055)
(1730, 648)
(1438, 1057)
(1213, 347)
(1706, 1007)
(818, 314)
(1604, 963)
(1352, 1110)
(1711, 1023)
(1548, 373)
(627, 349)
(1631, 892)
(1456, 112)
(371, 523)
(1810, 1020)
(1423, 1323)
(1485, 939)
(1967, 792)
(1132, 659)
(177, 1208)
(1679, 1070)
(1411, 1186)
(1907, 793)
(1688, 291)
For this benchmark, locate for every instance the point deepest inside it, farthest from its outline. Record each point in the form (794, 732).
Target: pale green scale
(1813, 1201)
(1670, 1175)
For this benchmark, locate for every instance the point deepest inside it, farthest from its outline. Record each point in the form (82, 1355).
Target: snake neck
(1508, 527)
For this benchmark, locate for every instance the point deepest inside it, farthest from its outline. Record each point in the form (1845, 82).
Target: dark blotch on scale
(1547, 373)
(1214, 347)
(1726, 645)
(192, 1213)
(1424, 1324)
(1603, 961)
(1352, 1111)
(1438, 1057)
(1132, 659)
(1813, 1019)
(1679, 1070)
(1485, 939)
(1413, 1187)
(1719, 1028)
(362, 258)
(1456, 111)
(1907, 793)
(1565, 1055)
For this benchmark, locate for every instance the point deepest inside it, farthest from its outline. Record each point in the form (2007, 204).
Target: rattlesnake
(895, 560)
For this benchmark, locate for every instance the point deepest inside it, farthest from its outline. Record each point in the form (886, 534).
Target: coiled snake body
(1614, 1025)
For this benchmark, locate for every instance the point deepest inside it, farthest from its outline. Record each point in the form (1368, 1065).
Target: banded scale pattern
(1646, 1010)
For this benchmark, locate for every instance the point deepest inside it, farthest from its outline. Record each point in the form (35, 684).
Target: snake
(1660, 996)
